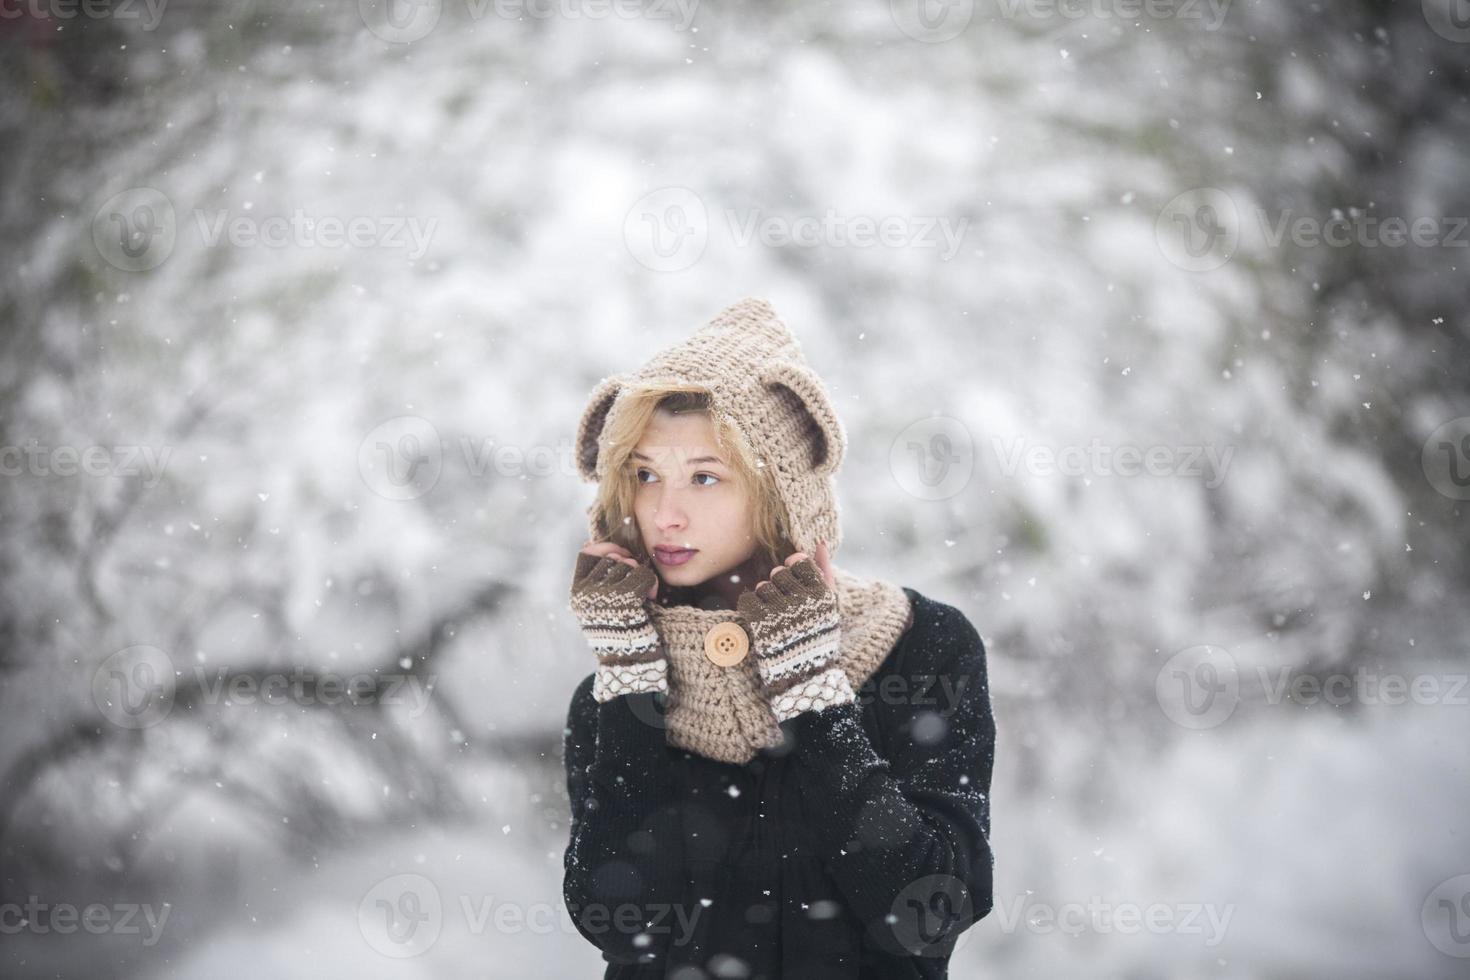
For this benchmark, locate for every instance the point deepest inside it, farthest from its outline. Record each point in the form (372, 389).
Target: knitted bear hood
(758, 379)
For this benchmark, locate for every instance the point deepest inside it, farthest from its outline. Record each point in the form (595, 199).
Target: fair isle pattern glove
(607, 598)
(797, 630)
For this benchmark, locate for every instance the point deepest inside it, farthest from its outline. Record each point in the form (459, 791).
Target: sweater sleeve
(622, 861)
(907, 839)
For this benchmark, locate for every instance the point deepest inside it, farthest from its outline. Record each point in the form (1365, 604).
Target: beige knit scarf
(721, 712)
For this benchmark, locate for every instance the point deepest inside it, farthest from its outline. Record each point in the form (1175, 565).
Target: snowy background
(240, 444)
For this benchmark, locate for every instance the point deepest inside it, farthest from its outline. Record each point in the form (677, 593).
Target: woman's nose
(669, 513)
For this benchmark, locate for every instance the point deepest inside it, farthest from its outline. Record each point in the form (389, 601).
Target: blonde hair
(615, 493)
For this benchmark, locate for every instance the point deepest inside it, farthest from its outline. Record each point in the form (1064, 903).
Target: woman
(777, 769)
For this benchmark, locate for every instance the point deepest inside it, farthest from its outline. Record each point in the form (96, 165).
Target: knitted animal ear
(801, 391)
(589, 430)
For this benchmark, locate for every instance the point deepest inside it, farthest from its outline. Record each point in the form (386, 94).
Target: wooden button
(726, 644)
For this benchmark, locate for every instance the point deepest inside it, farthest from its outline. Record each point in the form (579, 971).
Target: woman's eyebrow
(691, 462)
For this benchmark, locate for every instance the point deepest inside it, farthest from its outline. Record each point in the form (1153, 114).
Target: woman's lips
(673, 556)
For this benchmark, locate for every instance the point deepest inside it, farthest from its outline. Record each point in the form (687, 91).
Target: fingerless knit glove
(607, 597)
(796, 629)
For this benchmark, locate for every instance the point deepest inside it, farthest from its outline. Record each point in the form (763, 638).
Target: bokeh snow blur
(1147, 322)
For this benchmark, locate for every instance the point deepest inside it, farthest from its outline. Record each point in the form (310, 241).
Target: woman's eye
(641, 472)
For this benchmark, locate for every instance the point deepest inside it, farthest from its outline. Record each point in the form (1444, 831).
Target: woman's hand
(796, 629)
(824, 562)
(609, 599)
(605, 549)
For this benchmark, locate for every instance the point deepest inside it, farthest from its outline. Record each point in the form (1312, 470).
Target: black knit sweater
(858, 847)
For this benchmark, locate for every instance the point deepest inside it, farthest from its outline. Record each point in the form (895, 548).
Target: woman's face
(695, 519)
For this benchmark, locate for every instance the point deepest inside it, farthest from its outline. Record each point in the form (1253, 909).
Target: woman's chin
(680, 576)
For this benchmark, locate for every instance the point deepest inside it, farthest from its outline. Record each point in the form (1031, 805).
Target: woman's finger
(604, 548)
(824, 562)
